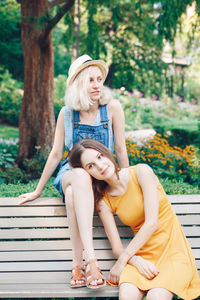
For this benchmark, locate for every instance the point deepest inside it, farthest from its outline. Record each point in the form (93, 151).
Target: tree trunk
(77, 17)
(37, 119)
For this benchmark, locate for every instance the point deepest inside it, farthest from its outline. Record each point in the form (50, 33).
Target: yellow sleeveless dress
(167, 248)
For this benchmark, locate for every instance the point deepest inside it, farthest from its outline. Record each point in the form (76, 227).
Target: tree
(130, 35)
(37, 120)
(11, 58)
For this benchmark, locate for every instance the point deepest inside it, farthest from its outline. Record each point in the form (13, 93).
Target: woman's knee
(81, 176)
(159, 293)
(76, 178)
(128, 291)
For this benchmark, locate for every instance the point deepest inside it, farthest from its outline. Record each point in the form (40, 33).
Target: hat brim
(98, 63)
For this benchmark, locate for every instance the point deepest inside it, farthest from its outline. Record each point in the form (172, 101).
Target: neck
(93, 107)
(117, 186)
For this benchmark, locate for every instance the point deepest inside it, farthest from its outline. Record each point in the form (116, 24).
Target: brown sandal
(78, 274)
(94, 273)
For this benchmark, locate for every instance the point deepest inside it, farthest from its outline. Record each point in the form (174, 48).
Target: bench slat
(63, 221)
(61, 290)
(47, 245)
(64, 233)
(27, 211)
(13, 201)
(37, 277)
(46, 266)
(52, 233)
(42, 211)
(48, 255)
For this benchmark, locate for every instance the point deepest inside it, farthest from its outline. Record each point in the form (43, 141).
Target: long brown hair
(99, 186)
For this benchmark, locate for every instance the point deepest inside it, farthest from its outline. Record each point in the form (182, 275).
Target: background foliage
(132, 37)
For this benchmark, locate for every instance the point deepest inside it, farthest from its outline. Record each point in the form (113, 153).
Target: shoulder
(66, 110)
(142, 169)
(145, 174)
(114, 107)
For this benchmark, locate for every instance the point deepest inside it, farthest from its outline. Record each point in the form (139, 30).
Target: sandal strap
(78, 273)
(94, 273)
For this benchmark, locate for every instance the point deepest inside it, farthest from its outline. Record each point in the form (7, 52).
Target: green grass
(175, 187)
(8, 132)
(14, 190)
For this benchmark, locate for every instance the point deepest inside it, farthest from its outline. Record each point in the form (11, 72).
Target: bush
(8, 153)
(11, 173)
(167, 161)
(11, 94)
(59, 92)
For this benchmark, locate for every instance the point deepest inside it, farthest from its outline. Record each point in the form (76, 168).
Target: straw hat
(83, 62)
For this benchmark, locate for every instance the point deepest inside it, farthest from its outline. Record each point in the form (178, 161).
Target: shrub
(167, 161)
(8, 153)
(59, 92)
(11, 94)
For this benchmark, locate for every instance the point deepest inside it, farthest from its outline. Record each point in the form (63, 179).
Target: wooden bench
(35, 250)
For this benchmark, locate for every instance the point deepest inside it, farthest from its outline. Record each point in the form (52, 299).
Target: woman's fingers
(28, 197)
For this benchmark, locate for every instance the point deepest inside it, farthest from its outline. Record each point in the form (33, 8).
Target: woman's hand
(145, 267)
(28, 197)
(115, 272)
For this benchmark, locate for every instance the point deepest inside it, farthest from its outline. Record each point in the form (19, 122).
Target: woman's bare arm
(118, 123)
(53, 160)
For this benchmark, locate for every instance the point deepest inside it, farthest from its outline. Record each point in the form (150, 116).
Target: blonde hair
(76, 95)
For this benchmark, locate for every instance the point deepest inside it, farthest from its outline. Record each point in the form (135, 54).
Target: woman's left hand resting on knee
(145, 267)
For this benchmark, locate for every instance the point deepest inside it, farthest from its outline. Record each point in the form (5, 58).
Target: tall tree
(37, 120)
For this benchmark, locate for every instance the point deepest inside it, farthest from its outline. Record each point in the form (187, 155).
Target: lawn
(8, 132)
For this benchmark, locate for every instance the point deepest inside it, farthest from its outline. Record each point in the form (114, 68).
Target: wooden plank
(48, 245)
(33, 222)
(14, 201)
(21, 211)
(37, 277)
(10, 222)
(52, 233)
(27, 211)
(46, 266)
(49, 255)
(184, 198)
(63, 221)
(53, 290)
(187, 209)
(189, 219)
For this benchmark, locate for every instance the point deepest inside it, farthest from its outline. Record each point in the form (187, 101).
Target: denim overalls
(100, 130)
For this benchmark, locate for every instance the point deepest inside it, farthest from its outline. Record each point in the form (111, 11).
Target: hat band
(86, 61)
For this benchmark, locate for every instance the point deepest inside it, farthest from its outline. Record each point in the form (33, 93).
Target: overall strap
(76, 118)
(68, 127)
(103, 113)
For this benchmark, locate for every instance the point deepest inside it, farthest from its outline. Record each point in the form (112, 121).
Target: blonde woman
(90, 111)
